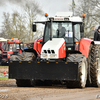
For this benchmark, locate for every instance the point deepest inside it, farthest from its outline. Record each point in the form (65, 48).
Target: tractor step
(43, 70)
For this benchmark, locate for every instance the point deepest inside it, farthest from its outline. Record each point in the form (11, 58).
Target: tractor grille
(49, 51)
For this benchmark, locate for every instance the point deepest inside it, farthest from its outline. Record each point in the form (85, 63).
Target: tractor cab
(70, 31)
(63, 25)
(13, 47)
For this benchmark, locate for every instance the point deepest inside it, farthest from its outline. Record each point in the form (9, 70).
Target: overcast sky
(53, 6)
(48, 6)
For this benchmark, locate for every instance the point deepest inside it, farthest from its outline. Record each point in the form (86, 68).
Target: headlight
(44, 55)
(52, 55)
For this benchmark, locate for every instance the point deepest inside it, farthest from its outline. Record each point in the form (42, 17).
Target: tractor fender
(38, 46)
(84, 46)
(74, 52)
(31, 50)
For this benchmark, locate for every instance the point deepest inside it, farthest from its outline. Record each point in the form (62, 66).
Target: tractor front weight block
(43, 70)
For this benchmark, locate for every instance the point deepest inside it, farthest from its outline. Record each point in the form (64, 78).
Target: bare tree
(6, 27)
(19, 25)
(13, 27)
(19, 28)
(32, 10)
(91, 8)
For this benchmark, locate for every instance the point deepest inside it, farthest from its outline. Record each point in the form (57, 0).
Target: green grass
(3, 78)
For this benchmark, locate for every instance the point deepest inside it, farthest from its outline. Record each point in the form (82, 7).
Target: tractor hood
(51, 49)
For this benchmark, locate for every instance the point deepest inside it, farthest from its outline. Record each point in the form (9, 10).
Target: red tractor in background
(63, 54)
(3, 42)
(12, 47)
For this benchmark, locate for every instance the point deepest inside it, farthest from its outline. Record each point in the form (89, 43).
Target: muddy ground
(9, 91)
(9, 88)
(3, 69)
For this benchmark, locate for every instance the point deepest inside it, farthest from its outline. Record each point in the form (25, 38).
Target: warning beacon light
(46, 15)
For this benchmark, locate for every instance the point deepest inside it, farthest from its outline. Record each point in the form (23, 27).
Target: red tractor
(12, 47)
(63, 54)
(3, 42)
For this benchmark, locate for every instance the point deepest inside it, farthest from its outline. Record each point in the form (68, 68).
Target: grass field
(3, 78)
(3, 67)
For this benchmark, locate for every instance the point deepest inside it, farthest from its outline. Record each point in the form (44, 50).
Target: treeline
(19, 23)
(91, 8)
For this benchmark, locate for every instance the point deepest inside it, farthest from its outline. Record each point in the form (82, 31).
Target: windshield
(3, 45)
(59, 30)
(12, 47)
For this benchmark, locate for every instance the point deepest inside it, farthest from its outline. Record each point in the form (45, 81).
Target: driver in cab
(61, 30)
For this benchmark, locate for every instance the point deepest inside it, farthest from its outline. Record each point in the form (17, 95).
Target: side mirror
(34, 27)
(82, 28)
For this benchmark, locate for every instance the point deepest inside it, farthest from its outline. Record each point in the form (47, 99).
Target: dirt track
(8, 87)
(3, 69)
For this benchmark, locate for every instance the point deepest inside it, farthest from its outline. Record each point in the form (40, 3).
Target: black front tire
(95, 66)
(82, 71)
